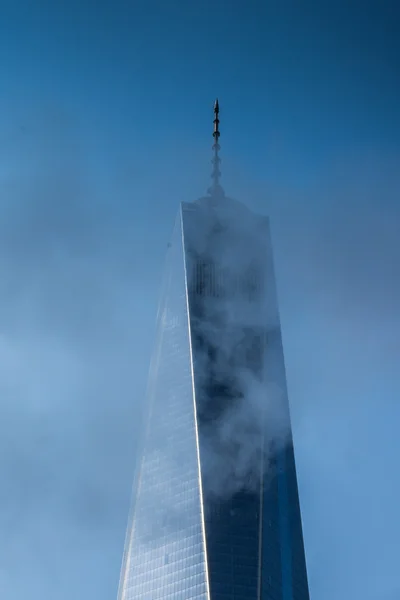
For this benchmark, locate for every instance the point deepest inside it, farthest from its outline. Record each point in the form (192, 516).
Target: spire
(216, 190)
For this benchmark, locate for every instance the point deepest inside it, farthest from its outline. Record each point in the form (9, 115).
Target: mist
(105, 128)
(70, 404)
(238, 364)
(72, 396)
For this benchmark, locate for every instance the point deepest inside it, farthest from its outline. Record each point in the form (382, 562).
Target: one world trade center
(216, 512)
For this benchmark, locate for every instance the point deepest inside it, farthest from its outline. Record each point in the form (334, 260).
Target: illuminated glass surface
(165, 554)
(184, 542)
(254, 540)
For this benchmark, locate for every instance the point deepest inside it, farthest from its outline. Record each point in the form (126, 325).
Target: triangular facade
(216, 511)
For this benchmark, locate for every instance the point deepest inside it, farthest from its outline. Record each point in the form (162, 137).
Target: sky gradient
(105, 123)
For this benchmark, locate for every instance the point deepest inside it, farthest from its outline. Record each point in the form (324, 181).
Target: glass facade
(216, 511)
(165, 551)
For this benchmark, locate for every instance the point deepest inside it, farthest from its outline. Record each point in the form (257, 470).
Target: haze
(105, 126)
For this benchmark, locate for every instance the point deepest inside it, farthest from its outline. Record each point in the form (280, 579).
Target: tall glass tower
(215, 512)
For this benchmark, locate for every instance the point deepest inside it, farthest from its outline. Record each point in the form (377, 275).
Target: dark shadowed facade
(216, 511)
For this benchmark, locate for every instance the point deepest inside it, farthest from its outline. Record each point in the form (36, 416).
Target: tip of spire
(216, 133)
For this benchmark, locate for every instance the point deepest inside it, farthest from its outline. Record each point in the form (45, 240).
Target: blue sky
(105, 123)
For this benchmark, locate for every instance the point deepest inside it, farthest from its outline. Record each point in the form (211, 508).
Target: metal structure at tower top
(216, 190)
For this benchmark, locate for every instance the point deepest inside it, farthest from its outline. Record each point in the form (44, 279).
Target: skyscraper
(215, 512)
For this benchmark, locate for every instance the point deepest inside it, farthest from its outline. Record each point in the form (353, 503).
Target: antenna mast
(216, 189)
